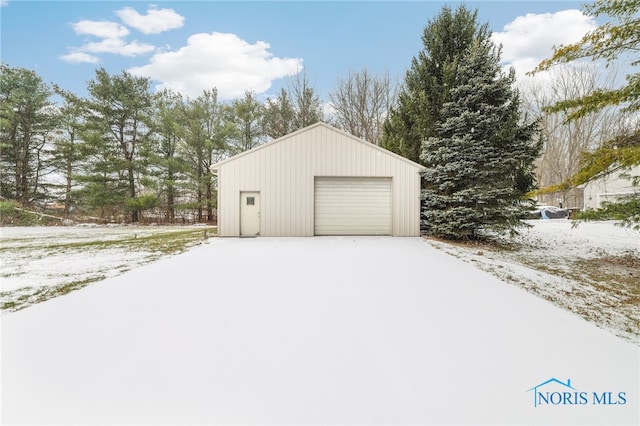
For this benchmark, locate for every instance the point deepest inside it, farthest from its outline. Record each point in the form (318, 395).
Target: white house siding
(283, 172)
(609, 188)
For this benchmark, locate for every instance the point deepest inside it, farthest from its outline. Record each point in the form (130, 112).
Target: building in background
(610, 188)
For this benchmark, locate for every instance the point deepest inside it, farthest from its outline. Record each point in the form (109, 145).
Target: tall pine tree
(168, 166)
(26, 121)
(429, 80)
(207, 130)
(479, 158)
(118, 124)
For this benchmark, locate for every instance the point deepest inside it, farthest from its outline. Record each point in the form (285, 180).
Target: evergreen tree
(479, 158)
(429, 80)
(101, 181)
(296, 107)
(66, 149)
(118, 123)
(279, 116)
(27, 119)
(169, 167)
(616, 41)
(246, 117)
(206, 135)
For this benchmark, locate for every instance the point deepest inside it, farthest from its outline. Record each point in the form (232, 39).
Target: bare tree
(361, 102)
(566, 141)
(295, 107)
(306, 103)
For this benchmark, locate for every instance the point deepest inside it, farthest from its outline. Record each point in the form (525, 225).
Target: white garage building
(318, 181)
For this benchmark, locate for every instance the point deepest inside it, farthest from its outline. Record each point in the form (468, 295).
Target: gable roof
(312, 127)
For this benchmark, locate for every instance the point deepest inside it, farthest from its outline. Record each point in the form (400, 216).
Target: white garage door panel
(352, 206)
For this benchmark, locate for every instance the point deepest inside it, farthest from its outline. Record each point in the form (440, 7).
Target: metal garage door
(352, 206)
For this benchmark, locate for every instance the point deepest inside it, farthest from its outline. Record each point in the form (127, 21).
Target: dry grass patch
(602, 288)
(52, 265)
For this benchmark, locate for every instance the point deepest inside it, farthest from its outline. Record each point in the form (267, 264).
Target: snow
(556, 261)
(584, 240)
(52, 269)
(330, 330)
(61, 234)
(36, 257)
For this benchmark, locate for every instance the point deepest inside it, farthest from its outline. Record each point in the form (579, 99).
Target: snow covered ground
(36, 263)
(330, 330)
(592, 270)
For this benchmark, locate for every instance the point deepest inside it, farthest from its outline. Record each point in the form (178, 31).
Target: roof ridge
(215, 166)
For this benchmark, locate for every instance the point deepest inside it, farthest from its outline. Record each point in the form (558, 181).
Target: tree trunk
(170, 199)
(67, 192)
(209, 200)
(39, 167)
(170, 210)
(20, 166)
(200, 190)
(17, 173)
(132, 191)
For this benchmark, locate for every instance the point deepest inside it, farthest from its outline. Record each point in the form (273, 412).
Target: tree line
(459, 115)
(125, 153)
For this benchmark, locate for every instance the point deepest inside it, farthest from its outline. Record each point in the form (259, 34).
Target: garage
(352, 206)
(318, 180)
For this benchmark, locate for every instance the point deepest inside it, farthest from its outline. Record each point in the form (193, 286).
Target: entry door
(249, 213)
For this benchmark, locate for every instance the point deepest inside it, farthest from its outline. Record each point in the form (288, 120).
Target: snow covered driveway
(332, 330)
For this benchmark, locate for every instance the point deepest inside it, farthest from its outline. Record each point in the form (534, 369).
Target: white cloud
(328, 111)
(112, 41)
(219, 60)
(529, 39)
(118, 46)
(80, 57)
(101, 29)
(154, 22)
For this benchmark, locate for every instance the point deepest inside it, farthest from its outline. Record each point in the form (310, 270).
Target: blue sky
(194, 45)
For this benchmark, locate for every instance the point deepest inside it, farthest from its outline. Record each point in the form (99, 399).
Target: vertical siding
(283, 172)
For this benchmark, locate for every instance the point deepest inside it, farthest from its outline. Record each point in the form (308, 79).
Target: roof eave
(215, 167)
